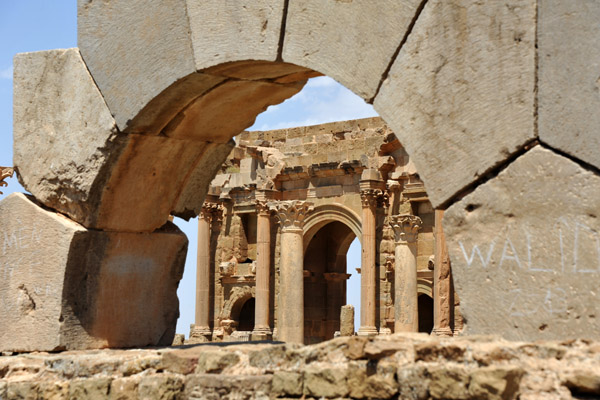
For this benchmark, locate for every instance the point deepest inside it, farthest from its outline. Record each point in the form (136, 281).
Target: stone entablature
(332, 177)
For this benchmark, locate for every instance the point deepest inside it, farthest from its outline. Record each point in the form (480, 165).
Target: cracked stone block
(460, 95)
(65, 287)
(569, 77)
(351, 41)
(526, 259)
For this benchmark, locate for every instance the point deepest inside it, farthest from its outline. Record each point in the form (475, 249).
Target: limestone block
(460, 95)
(351, 41)
(526, 256)
(134, 50)
(63, 131)
(224, 31)
(65, 287)
(347, 320)
(569, 77)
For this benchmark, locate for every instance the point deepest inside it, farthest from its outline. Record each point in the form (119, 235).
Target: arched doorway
(425, 307)
(325, 280)
(246, 316)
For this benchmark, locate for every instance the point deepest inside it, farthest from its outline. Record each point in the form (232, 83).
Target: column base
(367, 331)
(199, 334)
(261, 333)
(385, 331)
(444, 332)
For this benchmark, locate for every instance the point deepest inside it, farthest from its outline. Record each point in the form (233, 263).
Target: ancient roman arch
(112, 137)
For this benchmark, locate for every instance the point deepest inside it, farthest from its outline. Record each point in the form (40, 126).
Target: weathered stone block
(569, 81)
(534, 253)
(351, 41)
(65, 287)
(460, 95)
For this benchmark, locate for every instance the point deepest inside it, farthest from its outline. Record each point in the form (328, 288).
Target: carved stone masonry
(291, 214)
(263, 207)
(370, 197)
(5, 172)
(406, 227)
(211, 210)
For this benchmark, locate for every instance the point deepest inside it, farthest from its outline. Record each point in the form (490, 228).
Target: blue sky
(33, 25)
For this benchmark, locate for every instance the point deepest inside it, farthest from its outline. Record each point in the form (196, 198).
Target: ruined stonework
(411, 367)
(343, 170)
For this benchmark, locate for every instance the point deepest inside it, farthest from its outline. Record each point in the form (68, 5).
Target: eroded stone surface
(569, 77)
(460, 95)
(526, 261)
(490, 369)
(64, 286)
(63, 132)
(351, 41)
(134, 50)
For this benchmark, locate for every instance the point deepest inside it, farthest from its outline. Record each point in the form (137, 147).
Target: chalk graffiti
(525, 302)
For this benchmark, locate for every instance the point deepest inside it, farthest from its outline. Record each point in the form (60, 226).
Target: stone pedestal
(368, 281)
(442, 295)
(202, 326)
(347, 320)
(63, 287)
(262, 331)
(406, 311)
(291, 216)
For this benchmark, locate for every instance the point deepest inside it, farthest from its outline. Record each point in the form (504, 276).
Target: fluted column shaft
(442, 296)
(406, 315)
(263, 267)
(368, 283)
(291, 216)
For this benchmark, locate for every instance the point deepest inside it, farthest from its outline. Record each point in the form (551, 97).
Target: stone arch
(324, 214)
(233, 305)
(425, 286)
(134, 108)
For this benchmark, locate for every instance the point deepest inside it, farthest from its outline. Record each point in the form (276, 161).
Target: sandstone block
(286, 383)
(124, 388)
(495, 383)
(351, 41)
(449, 383)
(90, 388)
(460, 95)
(347, 320)
(164, 386)
(65, 287)
(325, 382)
(72, 158)
(569, 82)
(525, 260)
(135, 50)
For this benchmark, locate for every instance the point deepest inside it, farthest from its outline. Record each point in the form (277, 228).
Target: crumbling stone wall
(415, 367)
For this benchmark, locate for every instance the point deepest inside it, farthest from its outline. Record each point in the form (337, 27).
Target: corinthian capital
(262, 207)
(291, 214)
(211, 210)
(406, 227)
(370, 197)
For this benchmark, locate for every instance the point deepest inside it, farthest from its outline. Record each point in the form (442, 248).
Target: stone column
(406, 302)
(291, 215)
(262, 331)
(368, 283)
(200, 331)
(442, 296)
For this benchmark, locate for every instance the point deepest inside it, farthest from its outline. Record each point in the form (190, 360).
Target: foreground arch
(130, 127)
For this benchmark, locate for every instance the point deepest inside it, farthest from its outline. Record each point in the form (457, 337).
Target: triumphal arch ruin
(495, 101)
(318, 188)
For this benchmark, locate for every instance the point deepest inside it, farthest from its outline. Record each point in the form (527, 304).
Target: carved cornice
(370, 197)
(406, 227)
(5, 172)
(291, 214)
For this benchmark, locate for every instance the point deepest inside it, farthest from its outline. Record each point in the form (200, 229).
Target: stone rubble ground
(407, 366)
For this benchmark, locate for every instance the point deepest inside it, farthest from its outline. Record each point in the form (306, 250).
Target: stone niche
(66, 287)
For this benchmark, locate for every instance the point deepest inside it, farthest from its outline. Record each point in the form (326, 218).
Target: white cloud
(6, 73)
(321, 81)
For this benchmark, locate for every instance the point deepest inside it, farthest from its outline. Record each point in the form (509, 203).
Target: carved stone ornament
(406, 227)
(5, 172)
(291, 214)
(370, 197)
(262, 207)
(211, 210)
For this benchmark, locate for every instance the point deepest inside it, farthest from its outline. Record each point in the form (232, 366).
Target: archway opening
(325, 276)
(425, 307)
(246, 316)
